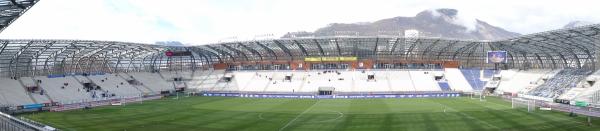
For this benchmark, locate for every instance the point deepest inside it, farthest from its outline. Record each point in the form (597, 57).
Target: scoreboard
(178, 53)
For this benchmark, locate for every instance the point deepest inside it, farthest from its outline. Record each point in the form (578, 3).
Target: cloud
(470, 23)
(208, 21)
(89, 19)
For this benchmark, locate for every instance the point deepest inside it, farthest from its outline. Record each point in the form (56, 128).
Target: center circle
(326, 116)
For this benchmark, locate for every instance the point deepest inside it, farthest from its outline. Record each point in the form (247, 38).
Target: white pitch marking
(340, 115)
(566, 119)
(260, 116)
(467, 115)
(298, 116)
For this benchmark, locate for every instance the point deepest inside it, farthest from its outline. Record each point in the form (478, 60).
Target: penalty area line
(468, 116)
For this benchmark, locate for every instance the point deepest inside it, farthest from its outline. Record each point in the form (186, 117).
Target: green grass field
(228, 113)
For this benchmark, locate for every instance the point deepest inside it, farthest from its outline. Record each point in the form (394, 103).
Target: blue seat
(444, 86)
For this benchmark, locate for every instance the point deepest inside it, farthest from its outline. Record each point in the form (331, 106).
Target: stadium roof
(564, 48)
(10, 10)
(32, 57)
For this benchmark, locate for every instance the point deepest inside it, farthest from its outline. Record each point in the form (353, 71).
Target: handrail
(25, 124)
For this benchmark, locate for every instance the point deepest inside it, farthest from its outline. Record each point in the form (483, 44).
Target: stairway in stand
(136, 86)
(270, 82)
(28, 93)
(45, 94)
(247, 83)
(304, 80)
(411, 79)
(389, 83)
(202, 80)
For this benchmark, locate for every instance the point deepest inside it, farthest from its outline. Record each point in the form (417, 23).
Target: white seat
(73, 91)
(14, 93)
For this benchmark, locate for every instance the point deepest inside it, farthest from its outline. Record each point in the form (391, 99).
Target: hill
(443, 23)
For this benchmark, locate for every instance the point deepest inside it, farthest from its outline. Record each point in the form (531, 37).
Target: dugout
(326, 90)
(371, 77)
(288, 77)
(228, 77)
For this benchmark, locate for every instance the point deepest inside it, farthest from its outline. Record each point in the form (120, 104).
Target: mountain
(170, 43)
(577, 23)
(443, 23)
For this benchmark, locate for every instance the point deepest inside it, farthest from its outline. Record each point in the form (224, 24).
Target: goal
(523, 103)
(477, 95)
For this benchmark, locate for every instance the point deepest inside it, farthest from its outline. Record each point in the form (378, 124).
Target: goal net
(477, 95)
(523, 103)
(595, 101)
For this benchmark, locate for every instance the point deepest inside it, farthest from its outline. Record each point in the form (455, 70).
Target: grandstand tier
(64, 89)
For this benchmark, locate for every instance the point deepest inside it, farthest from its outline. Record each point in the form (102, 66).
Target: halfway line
(298, 116)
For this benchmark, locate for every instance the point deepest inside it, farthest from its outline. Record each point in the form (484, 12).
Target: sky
(197, 22)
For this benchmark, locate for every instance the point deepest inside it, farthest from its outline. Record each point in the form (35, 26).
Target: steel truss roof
(10, 10)
(31, 57)
(565, 48)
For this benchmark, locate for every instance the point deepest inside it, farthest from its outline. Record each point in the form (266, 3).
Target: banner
(329, 59)
(348, 96)
(33, 106)
(348, 58)
(312, 59)
(581, 103)
(81, 105)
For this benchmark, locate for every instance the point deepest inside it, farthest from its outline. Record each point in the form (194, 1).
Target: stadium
(540, 81)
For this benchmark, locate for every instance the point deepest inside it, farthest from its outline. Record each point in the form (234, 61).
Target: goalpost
(523, 103)
(477, 95)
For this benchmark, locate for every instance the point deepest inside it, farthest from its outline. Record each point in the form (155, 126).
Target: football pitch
(261, 114)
